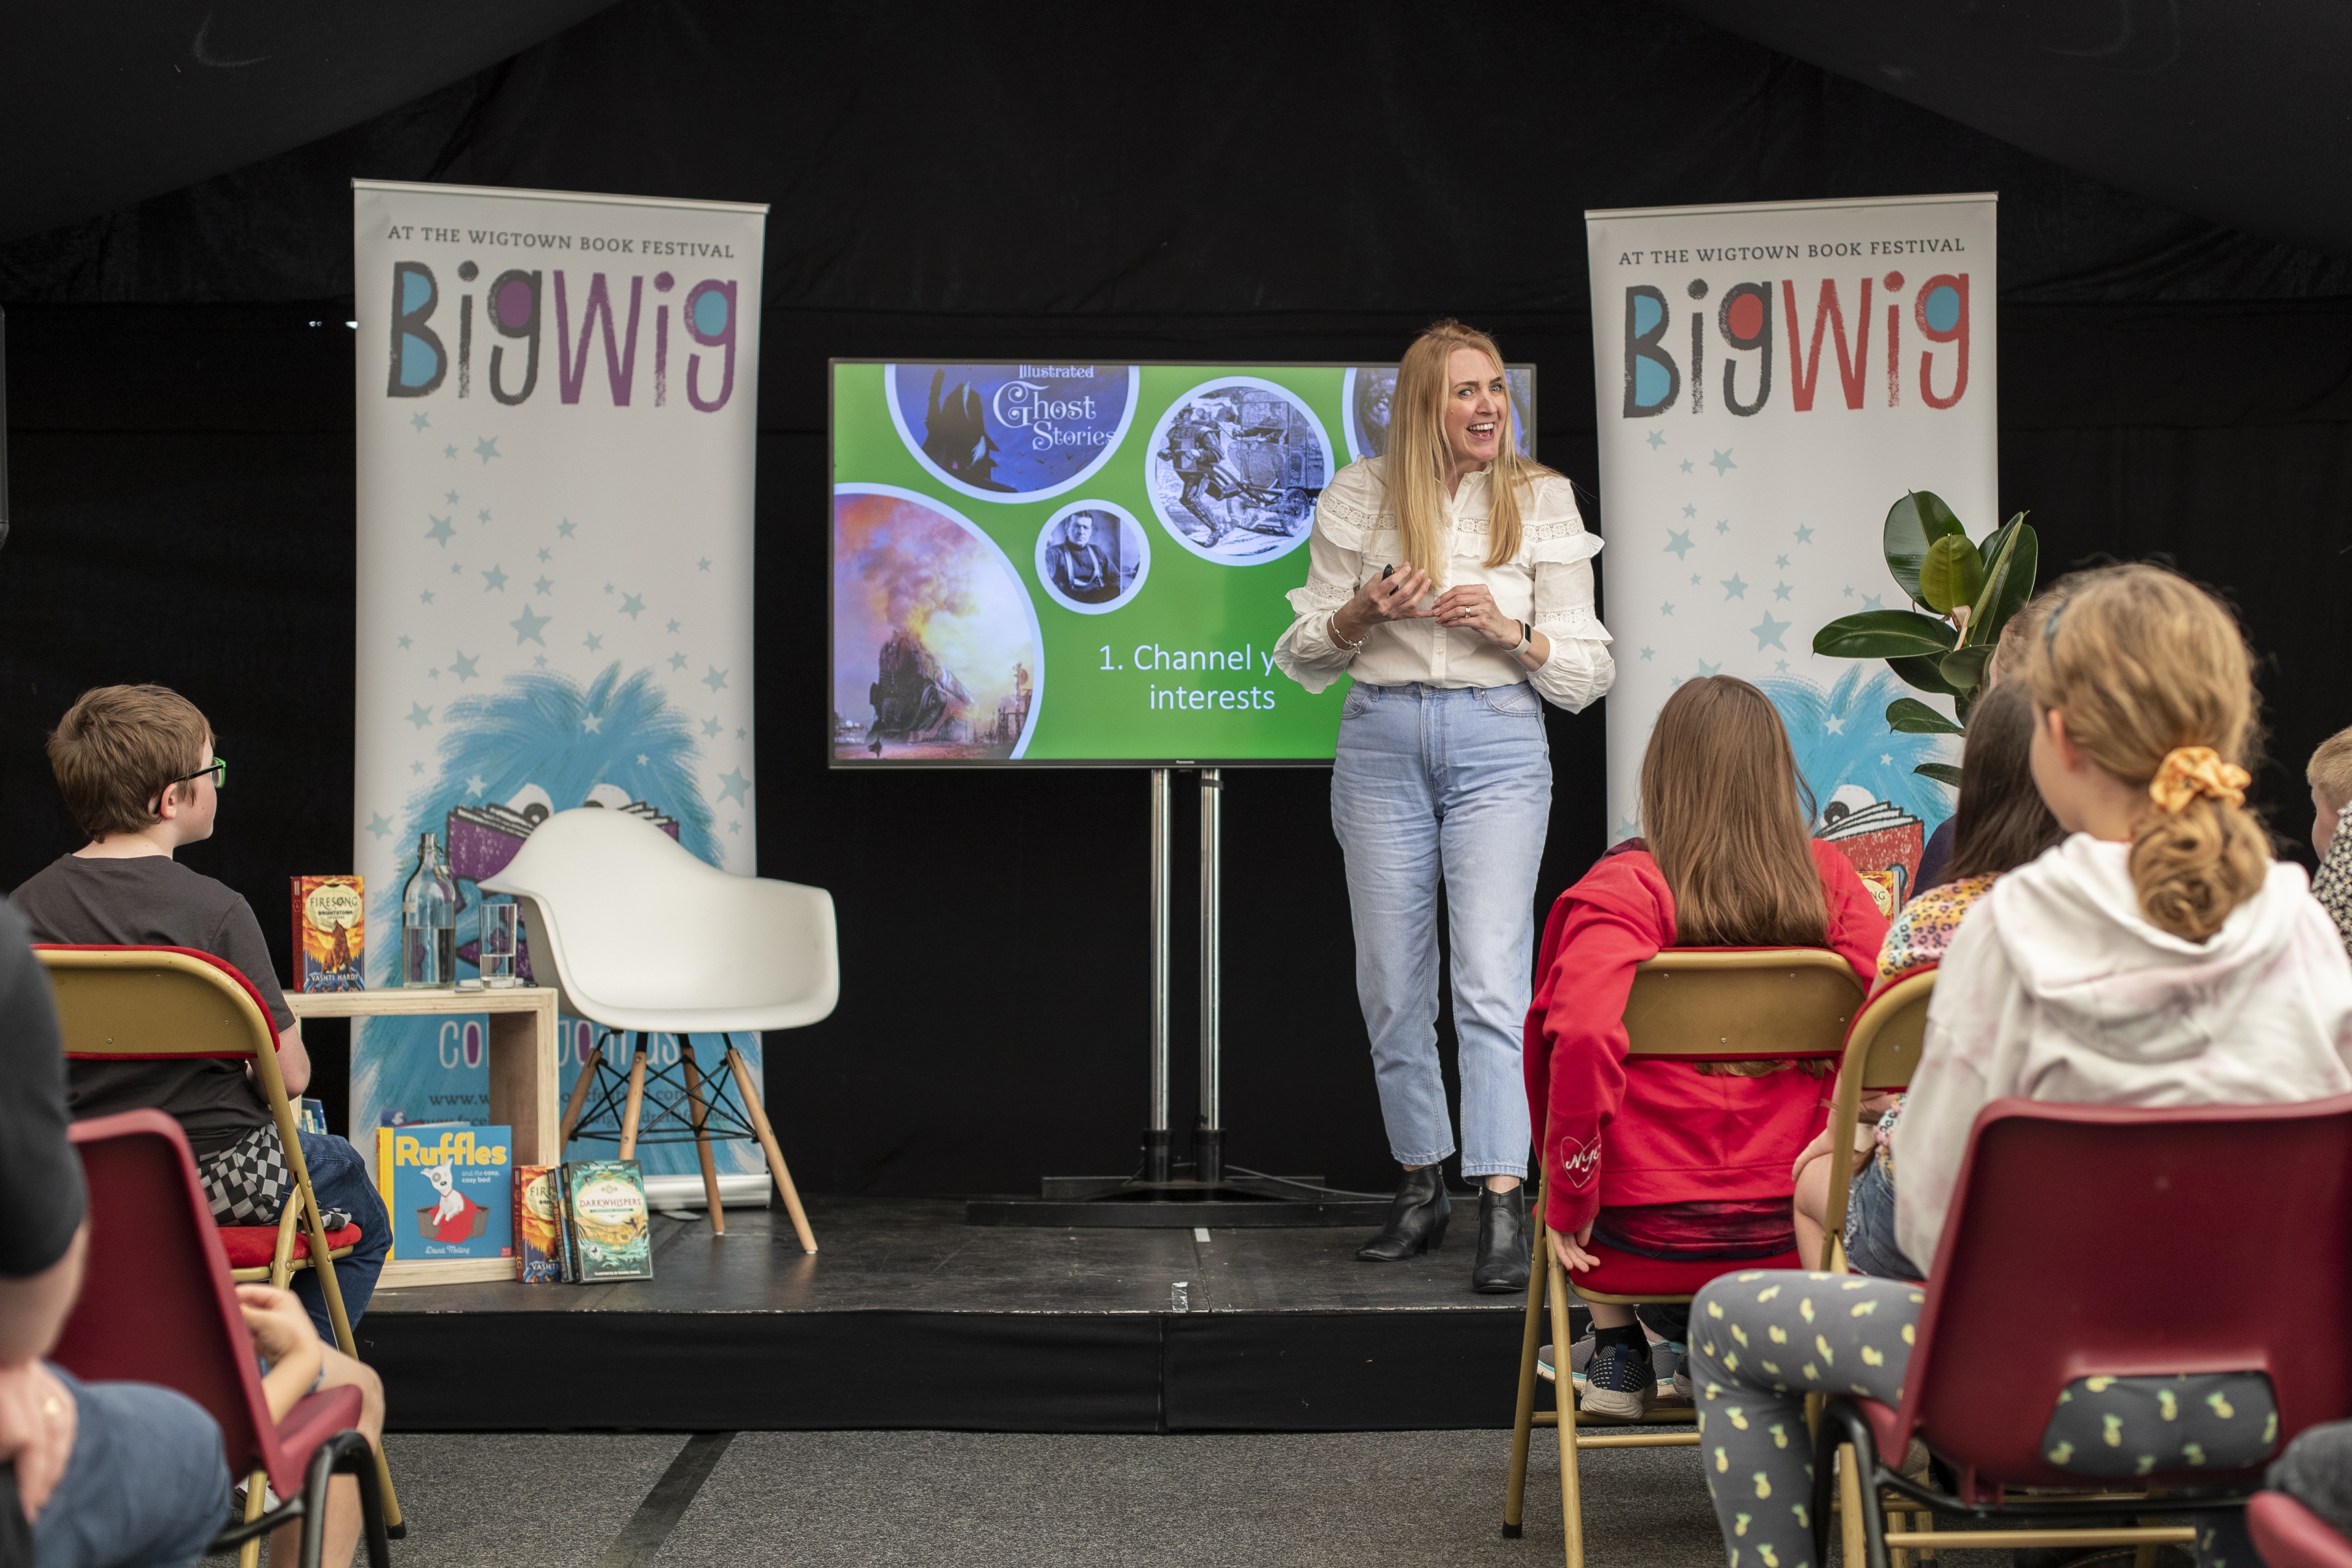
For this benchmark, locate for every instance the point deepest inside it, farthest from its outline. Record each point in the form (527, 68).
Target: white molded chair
(637, 934)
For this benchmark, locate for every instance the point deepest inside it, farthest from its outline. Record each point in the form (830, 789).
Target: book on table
(606, 1228)
(329, 934)
(538, 1225)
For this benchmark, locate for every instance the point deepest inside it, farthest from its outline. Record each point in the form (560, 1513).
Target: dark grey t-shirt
(153, 900)
(41, 1195)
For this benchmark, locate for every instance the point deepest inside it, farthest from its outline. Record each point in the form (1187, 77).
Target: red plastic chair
(2289, 1535)
(157, 1306)
(2200, 1239)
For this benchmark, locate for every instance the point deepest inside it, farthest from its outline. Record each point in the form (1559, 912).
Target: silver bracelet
(1340, 642)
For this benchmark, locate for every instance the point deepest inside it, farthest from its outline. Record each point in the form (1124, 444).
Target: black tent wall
(1086, 184)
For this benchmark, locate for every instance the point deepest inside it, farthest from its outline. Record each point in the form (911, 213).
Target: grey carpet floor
(983, 1499)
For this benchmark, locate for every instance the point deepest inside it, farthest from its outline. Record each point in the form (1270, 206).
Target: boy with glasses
(136, 769)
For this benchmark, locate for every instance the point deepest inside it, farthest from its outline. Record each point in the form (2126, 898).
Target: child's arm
(285, 1337)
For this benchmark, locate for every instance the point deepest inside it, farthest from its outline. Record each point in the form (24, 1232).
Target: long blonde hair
(2142, 661)
(1417, 455)
(1722, 817)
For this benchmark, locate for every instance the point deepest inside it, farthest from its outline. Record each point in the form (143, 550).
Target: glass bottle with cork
(428, 922)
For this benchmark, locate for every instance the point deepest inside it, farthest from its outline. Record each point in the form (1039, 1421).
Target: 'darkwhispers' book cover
(607, 1234)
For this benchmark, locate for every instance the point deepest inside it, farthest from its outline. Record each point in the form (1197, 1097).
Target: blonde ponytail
(2155, 680)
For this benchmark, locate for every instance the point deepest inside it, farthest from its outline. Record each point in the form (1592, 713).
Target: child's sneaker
(1619, 1382)
(1673, 1359)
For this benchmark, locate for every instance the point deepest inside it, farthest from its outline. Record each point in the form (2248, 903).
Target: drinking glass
(497, 948)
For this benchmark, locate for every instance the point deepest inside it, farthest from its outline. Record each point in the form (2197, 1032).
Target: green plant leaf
(1883, 634)
(1909, 716)
(1963, 667)
(2010, 573)
(1942, 773)
(1921, 672)
(1914, 524)
(1953, 575)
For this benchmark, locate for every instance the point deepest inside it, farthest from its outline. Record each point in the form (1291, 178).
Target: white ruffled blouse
(1547, 583)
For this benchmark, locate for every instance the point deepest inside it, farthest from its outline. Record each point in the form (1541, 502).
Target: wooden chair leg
(1571, 1489)
(1523, 1425)
(578, 1104)
(776, 1166)
(701, 1133)
(636, 1108)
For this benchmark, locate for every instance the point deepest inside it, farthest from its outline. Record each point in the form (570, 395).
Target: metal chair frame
(1700, 1005)
(162, 1001)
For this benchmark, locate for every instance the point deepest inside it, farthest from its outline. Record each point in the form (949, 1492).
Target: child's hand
(275, 1318)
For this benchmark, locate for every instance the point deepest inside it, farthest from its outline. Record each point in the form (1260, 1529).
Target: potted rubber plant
(1964, 594)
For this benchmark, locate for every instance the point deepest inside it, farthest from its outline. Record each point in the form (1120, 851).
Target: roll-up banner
(557, 418)
(1771, 378)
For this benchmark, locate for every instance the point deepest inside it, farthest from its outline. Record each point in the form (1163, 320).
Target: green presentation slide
(1057, 562)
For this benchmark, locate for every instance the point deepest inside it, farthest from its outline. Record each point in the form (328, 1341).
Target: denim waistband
(1422, 690)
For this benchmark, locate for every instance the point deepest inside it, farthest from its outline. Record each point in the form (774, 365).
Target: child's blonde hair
(2331, 769)
(2144, 664)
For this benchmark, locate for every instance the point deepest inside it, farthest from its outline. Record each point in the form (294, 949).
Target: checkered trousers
(248, 1184)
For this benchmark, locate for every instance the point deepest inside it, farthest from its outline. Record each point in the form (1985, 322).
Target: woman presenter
(1451, 578)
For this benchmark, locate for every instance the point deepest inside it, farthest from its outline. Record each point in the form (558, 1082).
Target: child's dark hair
(2001, 822)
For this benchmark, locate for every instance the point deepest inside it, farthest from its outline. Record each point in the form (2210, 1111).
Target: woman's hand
(1470, 606)
(1569, 1249)
(1396, 597)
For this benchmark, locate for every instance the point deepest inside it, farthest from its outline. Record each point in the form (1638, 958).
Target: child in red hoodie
(1673, 1159)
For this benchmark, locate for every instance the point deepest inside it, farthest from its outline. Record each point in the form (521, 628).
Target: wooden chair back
(1718, 1003)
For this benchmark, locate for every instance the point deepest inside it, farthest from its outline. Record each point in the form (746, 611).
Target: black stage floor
(909, 1317)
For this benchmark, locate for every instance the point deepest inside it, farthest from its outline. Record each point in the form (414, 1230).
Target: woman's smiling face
(1478, 408)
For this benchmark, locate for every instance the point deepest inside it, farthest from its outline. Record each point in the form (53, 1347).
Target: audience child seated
(105, 1473)
(2330, 773)
(1935, 860)
(136, 766)
(1670, 1159)
(2155, 957)
(299, 1362)
(2002, 824)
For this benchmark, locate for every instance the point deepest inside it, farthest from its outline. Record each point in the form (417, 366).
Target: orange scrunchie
(2188, 772)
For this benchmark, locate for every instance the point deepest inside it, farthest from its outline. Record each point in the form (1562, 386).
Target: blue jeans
(1434, 786)
(1870, 1244)
(341, 1179)
(146, 1486)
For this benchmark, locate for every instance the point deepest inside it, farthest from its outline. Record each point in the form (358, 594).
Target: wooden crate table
(522, 1086)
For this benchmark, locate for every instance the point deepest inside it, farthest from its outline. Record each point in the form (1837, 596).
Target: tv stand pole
(1166, 1193)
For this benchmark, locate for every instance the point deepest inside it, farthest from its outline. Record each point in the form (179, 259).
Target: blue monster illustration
(540, 742)
(1842, 739)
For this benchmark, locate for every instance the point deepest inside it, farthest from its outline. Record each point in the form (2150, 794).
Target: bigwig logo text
(1742, 317)
(514, 311)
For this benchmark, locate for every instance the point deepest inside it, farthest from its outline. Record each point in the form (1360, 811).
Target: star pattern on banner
(1723, 525)
(379, 825)
(593, 724)
(676, 662)
(495, 577)
(404, 640)
(1782, 666)
(1706, 669)
(452, 498)
(1768, 633)
(1733, 588)
(528, 626)
(1870, 602)
(1782, 590)
(420, 423)
(716, 680)
(483, 515)
(1657, 438)
(710, 726)
(703, 564)
(419, 714)
(1647, 652)
(1721, 462)
(1665, 609)
(593, 643)
(462, 666)
(448, 451)
(441, 533)
(545, 584)
(1782, 562)
(1836, 726)
(565, 527)
(734, 786)
(547, 555)
(1678, 539)
(1687, 465)
(1804, 534)
(1691, 510)
(631, 606)
(672, 629)
(476, 784)
(485, 449)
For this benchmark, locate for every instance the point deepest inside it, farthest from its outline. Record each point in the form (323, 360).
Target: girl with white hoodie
(2157, 956)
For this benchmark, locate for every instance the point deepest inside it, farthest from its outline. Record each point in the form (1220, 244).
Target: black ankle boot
(1502, 1263)
(1416, 1219)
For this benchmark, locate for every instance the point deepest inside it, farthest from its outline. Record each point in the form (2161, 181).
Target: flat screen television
(1050, 563)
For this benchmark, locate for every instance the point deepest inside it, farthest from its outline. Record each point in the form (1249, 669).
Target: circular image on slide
(937, 655)
(1368, 390)
(1093, 556)
(1234, 469)
(1012, 431)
